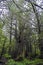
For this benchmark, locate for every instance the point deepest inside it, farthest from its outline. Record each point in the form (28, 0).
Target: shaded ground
(5, 61)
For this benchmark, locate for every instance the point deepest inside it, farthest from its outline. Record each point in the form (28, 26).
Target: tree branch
(34, 4)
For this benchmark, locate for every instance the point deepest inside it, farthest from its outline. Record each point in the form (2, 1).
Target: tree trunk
(3, 49)
(41, 49)
(9, 51)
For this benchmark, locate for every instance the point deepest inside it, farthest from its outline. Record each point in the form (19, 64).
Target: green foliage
(33, 62)
(25, 62)
(10, 62)
(7, 56)
(23, 24)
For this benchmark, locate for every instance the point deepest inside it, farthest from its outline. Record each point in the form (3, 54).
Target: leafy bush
(11, 62)
(7, 56)
(25, 62)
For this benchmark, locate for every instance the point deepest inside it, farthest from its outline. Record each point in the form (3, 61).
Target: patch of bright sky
(1, 2)
(26, 5)
(5, 11)
(0, 10)
(38, 2)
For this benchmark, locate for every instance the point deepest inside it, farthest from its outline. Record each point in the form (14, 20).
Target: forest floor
(5, 61)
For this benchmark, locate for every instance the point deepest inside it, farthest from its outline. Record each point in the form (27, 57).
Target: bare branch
(34, 4)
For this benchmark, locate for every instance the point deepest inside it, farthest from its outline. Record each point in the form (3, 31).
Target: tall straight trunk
(41, 48)
(9, 51)
(16, 31)
(3, 49)
(39, 31)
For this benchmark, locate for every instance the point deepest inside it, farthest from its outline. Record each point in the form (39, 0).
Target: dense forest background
(21, 32)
